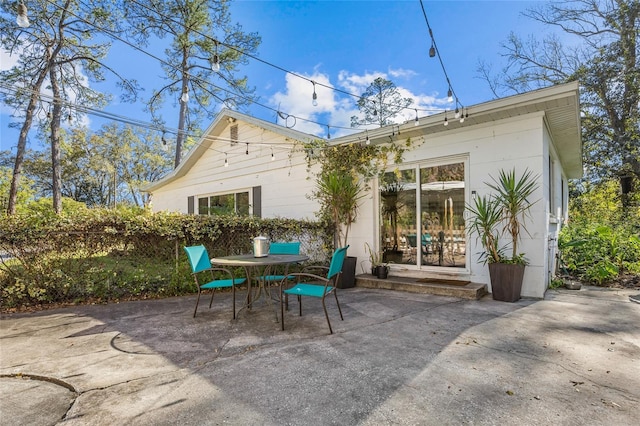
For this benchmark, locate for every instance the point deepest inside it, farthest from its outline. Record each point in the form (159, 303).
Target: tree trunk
(22, 143)
(56, 116)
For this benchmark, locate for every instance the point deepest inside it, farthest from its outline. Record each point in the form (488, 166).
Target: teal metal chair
(280, 248)
(318, 287)
(200, 264)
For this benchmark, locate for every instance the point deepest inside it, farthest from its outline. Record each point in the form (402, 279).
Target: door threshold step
(469, 290)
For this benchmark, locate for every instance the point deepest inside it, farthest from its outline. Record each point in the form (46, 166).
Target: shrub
(114, 254)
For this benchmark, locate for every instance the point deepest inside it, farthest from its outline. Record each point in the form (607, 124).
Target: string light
(446, 122)
(315, 96)
(272, 156)
(417, 121)
(215, 62)
(432, 49)
(328, 132)
(367, 140)
(449, 95)
(185, 96)
(226, 161)
(457, 115)
(22, 19)
(247, 151)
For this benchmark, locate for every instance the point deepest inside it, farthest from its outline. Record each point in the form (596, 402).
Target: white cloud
(402, 73)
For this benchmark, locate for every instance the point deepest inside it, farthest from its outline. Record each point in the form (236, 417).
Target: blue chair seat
(308, 289)
(223, 283)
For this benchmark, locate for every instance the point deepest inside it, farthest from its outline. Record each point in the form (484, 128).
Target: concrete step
(411, 285)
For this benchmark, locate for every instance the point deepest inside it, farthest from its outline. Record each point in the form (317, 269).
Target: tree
(103, 168)
(203, 39)
(57, 52)
(605, 62)
(380, 103)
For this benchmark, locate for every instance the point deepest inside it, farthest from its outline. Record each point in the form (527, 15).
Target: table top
(251, 260)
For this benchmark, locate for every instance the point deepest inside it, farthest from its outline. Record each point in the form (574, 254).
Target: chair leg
(282, 308)
(299, 305)
(233, 291)
(213, 290)
(326, 315)
(197, 301)
(338, 303)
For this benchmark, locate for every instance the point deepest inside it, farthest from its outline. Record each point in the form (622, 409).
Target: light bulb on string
(247, 151)
(165, 148)
(226, 162)
(417, 122)
(315, 95)
(450, 95)
(367, 141)
(432, 50)
(328, 132)
(375, 108)
(446, 122)
(215, 63)
(457, 115)
(273, 157)
(22, 19)
(185, 97)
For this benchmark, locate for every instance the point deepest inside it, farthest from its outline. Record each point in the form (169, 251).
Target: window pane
(441, 214)
(203, 206)
(398, 215)
(222, 204)
(242, 203)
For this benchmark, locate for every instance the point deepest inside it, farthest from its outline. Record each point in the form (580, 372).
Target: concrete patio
(397, 358)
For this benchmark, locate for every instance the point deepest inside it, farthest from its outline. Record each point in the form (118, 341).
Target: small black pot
(382, 272)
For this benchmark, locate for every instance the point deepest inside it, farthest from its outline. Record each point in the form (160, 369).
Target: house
(415, 212)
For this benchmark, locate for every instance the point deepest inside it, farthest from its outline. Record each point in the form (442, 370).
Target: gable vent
(233, 133)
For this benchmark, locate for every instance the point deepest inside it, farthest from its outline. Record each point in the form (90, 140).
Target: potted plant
(501, 214)
(379, 268)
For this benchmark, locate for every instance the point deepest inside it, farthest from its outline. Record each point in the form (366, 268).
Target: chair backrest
(412, 240)
(284, 248)
(336, 262)
(198, 258)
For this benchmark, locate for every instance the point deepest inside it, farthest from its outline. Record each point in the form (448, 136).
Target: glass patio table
(257, 268)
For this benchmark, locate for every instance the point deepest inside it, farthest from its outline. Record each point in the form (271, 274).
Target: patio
(397, 358)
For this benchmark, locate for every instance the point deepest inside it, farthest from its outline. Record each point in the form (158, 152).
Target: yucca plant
(512, 195)
(485, 217)
(503, 212)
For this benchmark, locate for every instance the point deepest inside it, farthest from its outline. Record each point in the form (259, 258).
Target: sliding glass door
(422, 216)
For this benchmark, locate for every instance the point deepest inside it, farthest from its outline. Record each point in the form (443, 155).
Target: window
(421, 216)
(235, 203)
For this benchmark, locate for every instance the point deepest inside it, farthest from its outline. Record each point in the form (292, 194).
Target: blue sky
(346, 44)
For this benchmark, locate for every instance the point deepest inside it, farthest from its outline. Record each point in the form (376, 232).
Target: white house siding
(504, 144)
(283, 181)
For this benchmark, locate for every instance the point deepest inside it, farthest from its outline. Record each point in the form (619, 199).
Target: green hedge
(102, 255)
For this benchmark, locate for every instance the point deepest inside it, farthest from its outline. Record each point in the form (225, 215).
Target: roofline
(223, 116)
(381, 134)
